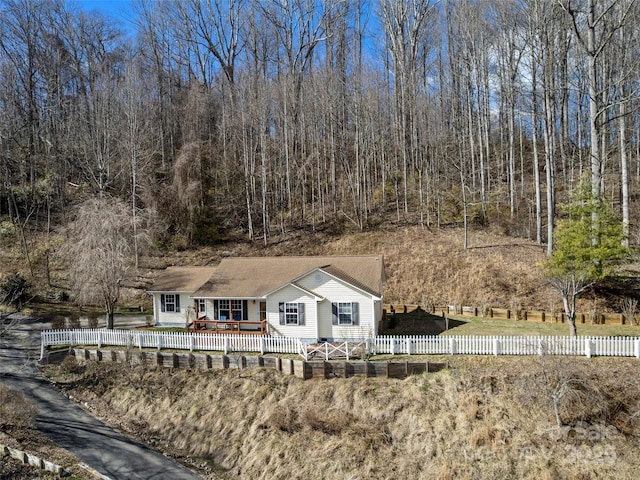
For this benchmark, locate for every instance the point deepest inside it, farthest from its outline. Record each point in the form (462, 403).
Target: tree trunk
(569, 295)
(594, 126)
(624, 171)
(110, 319)
(572, 325)
(536, 162)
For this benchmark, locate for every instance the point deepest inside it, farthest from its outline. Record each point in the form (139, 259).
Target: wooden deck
(229, 327)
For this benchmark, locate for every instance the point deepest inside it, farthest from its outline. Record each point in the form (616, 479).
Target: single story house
(336, 297)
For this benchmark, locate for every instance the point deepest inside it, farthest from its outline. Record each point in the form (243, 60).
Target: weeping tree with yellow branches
(100, 252)
(588, 247)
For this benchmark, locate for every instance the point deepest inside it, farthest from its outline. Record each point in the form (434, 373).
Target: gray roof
(254, 277)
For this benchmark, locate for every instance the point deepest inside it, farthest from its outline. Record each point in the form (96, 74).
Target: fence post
(99, 338)
(392, 344)
(139, 338)
(191, 342)
(346, 351)
(42, 345)
(408, 345)
(452, 346)
(496, 347)
(262, 346)
(225, 348)
(638, 348)
(587, 347)
(540, 352)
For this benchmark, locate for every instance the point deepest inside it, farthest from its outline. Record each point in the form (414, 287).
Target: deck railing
(406, 345)
(224, 327)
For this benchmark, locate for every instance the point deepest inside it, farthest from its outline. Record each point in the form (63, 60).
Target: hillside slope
(483, 418)
(423, 266)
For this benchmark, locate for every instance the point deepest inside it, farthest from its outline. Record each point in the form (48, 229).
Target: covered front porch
(226, 327)
(245, 316)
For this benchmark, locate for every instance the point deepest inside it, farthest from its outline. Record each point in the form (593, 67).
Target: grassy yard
(419, 322)
(496, 326)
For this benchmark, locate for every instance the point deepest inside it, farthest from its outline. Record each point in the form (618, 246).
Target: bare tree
(134, 139)
(407, 26)
(99, 251)
(511, 51)
(595, 24)
(216, 26)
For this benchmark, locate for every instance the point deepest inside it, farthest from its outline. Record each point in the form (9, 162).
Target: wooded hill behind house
(253, 120)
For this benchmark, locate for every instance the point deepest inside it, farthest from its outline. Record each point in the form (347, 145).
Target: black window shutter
(162, 309)
(355, 313)
(245, 310)
(281, 311)
(300, 313)
(215, 310)
(177, 297)
(334, 313)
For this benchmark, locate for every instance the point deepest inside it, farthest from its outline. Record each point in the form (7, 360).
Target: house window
(202, 307)
(236, 310)
(291, 313)
(224, 312)
(170, 302)
(345, 313)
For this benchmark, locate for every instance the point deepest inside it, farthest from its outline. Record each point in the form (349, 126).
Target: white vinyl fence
(170, 340)
(408, 345)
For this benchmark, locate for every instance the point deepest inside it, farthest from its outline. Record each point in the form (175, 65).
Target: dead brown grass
(483, 418)
(16, 410)
(423, 266)
(431, 267)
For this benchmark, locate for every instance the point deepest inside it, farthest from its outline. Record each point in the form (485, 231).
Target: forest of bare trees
(263, 116)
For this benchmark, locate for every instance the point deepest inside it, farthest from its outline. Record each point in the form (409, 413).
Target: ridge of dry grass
(431, 267)
(484, 418)
(423, 266)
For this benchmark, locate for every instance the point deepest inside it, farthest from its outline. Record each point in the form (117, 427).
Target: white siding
(172, 318)
(334, 290)
(292, 294)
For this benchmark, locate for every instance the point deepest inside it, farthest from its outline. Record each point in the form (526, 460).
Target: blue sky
(117, 8)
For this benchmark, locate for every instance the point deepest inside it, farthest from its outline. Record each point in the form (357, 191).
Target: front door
(325, 328)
